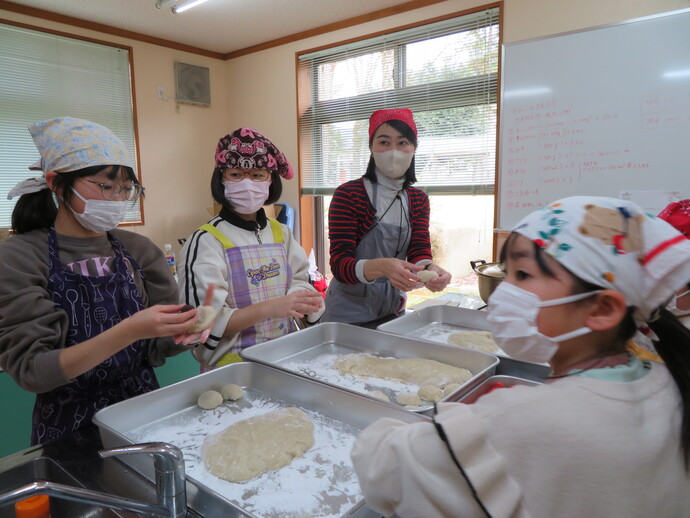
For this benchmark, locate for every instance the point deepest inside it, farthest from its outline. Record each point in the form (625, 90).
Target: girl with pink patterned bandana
(260, 272)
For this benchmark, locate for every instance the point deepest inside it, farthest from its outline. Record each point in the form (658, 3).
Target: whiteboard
(598, 112)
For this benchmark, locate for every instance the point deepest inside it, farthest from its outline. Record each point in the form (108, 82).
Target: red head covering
(246, 148)
(677, 214)
(399, 114)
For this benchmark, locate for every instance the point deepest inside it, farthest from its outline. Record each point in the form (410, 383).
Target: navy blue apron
(93, 304)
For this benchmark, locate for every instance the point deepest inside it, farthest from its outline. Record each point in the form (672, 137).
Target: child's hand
(193, 338)
(296, 304)
(159, 320)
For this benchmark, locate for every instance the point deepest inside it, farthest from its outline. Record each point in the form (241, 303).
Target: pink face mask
(246, 196)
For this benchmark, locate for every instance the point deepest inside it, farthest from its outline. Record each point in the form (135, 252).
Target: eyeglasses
(112, 191)
(255, 175)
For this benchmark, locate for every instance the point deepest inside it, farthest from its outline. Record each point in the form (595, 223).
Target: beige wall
(176, 142)
(263, 87)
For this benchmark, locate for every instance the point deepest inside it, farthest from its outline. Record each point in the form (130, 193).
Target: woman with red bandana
(260, 272)
(378, 227)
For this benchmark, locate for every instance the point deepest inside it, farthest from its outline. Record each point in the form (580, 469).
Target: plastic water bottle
(170, 257)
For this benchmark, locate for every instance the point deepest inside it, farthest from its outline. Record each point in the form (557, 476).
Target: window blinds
(43, 76)
(445, 72)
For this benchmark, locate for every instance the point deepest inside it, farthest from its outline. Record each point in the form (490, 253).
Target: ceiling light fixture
(160, 4)
(186, 5)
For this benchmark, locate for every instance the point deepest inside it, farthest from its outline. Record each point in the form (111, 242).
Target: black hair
(673, 345)
(674, 348)
(38, 210)
(218, 189)
(406, 131)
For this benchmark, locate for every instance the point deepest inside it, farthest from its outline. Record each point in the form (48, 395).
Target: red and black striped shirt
(351, 215)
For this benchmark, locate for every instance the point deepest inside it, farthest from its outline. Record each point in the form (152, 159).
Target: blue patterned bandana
(68, 144)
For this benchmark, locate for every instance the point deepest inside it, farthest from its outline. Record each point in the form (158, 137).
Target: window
(44, 75)
(446, 73)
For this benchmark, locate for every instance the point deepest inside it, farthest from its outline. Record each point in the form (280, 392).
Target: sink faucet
(168, 463)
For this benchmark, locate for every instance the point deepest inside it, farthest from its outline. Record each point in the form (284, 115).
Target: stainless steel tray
(320, 484)
(312, 351)
(437, 323)
(486, 385)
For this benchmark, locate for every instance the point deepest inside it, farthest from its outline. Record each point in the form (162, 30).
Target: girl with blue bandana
(86, 309)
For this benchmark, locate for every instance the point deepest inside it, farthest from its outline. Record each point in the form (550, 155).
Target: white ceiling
(217, 25)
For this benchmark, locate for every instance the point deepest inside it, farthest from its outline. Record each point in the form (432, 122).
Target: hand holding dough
(204, 317)
(427, 275)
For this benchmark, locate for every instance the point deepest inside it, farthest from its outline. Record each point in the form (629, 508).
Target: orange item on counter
(33, 507)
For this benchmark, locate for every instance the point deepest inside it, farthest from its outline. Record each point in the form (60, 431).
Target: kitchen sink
(46, 469)
(74, 461)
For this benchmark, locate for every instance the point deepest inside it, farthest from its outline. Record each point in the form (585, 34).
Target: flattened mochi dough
(477, 340)
(259, 444)
(231, 391)
(427, 275)
(408, 399)
(210, 399)
(419, 371)
(430, 393)
(204, 316)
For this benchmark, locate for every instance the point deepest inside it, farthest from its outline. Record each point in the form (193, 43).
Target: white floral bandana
(613, 244)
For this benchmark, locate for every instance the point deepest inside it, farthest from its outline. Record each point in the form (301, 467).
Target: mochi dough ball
(380, 395)
(204, 316)
(231, 391)
(210, 399)
(427, 275)
(430, 393)
(408, 399)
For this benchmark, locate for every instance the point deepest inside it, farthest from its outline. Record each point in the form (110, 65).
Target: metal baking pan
(487, 385)
(312, 351)
(437, 323)
(320, 484)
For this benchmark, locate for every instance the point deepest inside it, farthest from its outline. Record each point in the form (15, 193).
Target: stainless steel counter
(74, 460)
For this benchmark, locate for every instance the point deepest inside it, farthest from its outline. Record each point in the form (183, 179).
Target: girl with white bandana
(86, 310)
(608, 435)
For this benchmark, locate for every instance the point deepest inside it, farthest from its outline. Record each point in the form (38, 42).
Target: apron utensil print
(123, 375)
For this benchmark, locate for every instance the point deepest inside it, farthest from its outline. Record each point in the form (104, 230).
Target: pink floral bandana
(246, 149)
(613, 244)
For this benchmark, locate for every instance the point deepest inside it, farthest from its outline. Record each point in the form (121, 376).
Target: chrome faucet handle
(169, 467)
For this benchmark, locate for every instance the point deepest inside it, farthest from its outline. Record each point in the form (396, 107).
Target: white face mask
(512, 316)
(393, 163)
(100, 215)
(246, 196)
(673, 305)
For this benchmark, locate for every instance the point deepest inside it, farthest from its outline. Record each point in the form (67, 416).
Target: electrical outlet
(159, 92)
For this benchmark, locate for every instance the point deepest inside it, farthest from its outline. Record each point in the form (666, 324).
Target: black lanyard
(442, 434)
